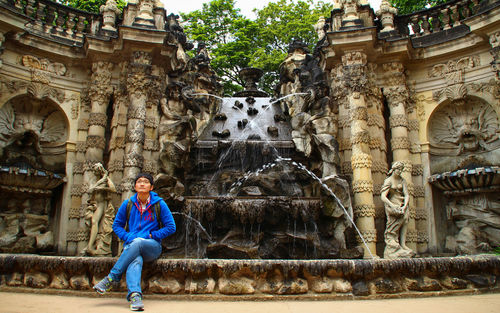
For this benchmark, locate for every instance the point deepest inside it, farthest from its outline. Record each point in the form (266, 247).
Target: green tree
(230, 38)
(91, 5)
(281, 23)
(410, 6)
(235, 41)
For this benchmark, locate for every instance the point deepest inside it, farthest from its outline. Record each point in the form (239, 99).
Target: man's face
(142, 185)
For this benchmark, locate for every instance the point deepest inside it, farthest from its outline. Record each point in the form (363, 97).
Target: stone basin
(28, 180)
(484, 179)
(260, 279)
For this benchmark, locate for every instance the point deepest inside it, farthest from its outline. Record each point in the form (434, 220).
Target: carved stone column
(354, 70)
(397, 95)
(151, 143)
(138, 84)
(2, 41)
(99, 93)
(417, 172)
(378, 149)
(118, 130)
(338, 94)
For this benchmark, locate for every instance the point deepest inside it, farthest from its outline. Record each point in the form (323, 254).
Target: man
(138, 226)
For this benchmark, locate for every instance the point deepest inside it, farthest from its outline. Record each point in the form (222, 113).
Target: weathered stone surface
(422, 284)
(360, 288)
(293, 286)
(386, 285)
(36, 280)
(453, 283)
(321, 284)
(285, 287)
(341, 285)
(160, 284)
(480, 280)
(201, 286)
(79, 282)
(14, 280)
(237, 286)
(59, 281)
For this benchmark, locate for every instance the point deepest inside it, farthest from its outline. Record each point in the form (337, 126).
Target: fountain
(280, 195)
(276, 210)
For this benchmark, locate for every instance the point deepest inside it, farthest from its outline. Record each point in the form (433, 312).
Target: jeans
(131, 260)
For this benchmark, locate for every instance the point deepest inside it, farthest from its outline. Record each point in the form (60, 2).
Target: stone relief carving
(100, 213)
(396, 196)
(100, 87)
(495, 52)
(24, 224)
(35, 63)
(453, 70)
(464, 128)
(492, 87)
(477, 219)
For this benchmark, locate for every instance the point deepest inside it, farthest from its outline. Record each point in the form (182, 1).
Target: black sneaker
(136, 302)
(104, 285)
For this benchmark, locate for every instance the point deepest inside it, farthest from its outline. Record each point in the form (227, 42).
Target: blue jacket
(141, 225)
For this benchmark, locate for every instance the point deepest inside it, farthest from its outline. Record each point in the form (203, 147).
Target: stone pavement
(41, 303)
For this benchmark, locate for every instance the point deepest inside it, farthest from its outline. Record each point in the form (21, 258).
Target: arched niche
(464, 160)
(33, 135)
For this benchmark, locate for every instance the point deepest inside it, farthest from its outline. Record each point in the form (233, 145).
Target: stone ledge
(262, 279)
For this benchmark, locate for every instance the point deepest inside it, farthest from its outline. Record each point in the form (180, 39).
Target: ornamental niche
(32, 157)
(464, 127)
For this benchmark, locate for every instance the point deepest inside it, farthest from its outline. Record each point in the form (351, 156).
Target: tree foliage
(91, 5)
(235, 41)
(282, 23)
(410, 6)
(229, 36)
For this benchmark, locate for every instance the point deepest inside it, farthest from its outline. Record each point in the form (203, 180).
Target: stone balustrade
(442, 22)
(51, 19)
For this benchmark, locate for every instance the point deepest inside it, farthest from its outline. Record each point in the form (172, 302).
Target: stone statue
(312, 116)
(100, 213)
(396, 197)
(201, 79)
(176, 128)
(319, 27)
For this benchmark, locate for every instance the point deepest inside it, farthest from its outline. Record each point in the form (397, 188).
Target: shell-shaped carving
(6, 121)
(456, 92)
(54, 129)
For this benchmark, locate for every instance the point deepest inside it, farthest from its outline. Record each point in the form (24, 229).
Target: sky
(246, 6)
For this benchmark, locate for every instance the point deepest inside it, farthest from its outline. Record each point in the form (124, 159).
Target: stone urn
(109, 12)
(251, 76)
